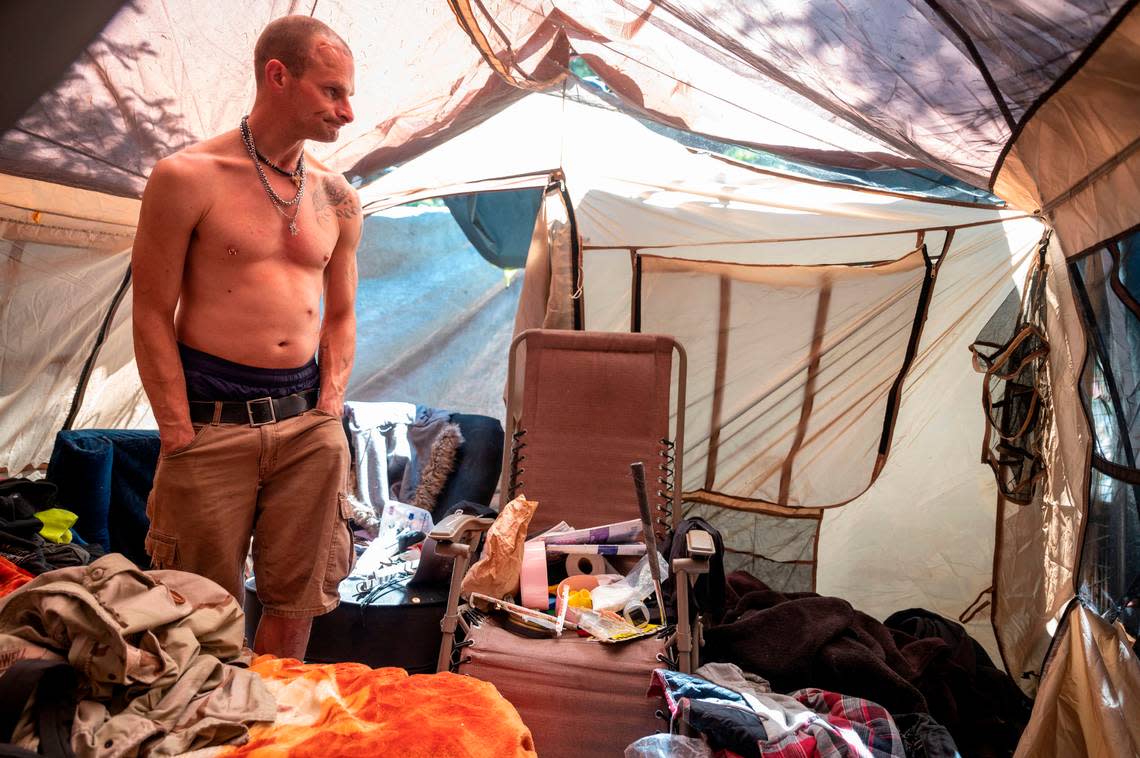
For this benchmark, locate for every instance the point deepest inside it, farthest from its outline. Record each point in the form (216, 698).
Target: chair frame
(458, 536)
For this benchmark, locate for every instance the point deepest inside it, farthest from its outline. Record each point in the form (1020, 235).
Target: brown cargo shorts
(282, 483)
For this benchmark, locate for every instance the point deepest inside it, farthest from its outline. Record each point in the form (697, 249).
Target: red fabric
(12, 577)
(343, 709)
(850, 727)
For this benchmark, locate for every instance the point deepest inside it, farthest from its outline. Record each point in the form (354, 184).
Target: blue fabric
(498, 224)
(694, 687)
(104, 477)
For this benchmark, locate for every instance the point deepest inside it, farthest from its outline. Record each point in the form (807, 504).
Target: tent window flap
(1107, 285)
(792, 383)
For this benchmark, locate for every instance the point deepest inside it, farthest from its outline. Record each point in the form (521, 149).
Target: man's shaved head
(289, 39)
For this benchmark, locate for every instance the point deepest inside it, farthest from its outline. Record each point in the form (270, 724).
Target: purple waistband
(209, 377)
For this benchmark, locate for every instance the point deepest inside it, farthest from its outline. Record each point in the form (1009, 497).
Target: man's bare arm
(167, 219)
(338, 330)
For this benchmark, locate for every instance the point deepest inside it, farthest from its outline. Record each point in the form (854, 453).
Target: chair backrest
(592, 404)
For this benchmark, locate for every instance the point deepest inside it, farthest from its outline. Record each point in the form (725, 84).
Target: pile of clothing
(156, 658)
(153, 663)
(402, 452)
(740, 715)
(933, 680)
(36, 534)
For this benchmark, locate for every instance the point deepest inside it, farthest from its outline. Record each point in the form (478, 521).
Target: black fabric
(802, 639)
(923, 737)
(69, 554)
(254, 412)
(209, 377)
(39, 495)
(17, 514)
(20, 542)
(727, 728)
(25, 552)
(976, 701)
(477, 464)
(54, 685)
(707, 594)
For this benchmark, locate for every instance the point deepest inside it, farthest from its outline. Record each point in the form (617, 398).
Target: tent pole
(89, 366)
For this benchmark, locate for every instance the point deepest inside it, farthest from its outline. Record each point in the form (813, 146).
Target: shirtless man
(228, 282)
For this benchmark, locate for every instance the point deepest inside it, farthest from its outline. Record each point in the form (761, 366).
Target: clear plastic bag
(668, 746)
(637, 585)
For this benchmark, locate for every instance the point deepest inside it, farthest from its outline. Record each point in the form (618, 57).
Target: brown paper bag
(497, 572)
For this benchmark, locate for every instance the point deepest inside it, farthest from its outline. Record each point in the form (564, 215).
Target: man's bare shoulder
(332, 194)
(205, 157)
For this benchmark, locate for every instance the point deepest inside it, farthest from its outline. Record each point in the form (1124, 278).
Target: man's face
(320, 95)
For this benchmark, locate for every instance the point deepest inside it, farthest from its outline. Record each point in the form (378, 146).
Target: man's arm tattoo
(339, 198)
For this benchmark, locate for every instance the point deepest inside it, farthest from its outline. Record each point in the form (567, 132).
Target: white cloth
(379, 431)
(780, 714)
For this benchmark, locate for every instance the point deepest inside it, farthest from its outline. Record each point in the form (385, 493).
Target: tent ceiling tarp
(946, 82)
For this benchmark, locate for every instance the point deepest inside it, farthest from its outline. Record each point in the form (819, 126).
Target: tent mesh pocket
(1011, 391)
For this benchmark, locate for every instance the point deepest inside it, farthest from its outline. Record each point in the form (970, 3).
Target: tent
(837, 431)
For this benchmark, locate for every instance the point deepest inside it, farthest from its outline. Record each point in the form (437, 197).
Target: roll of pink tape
(533, 576)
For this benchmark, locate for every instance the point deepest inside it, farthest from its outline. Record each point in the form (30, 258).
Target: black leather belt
(259, 412)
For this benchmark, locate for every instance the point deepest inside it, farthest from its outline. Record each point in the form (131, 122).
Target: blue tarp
(498, 224)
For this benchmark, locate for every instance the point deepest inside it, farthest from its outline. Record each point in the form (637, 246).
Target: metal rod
(647, 534)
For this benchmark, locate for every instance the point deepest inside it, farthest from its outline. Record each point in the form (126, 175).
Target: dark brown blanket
(797, 640)
(802, 639)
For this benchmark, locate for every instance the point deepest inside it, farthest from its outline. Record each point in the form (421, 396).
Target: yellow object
(57, 525)
(580, 599)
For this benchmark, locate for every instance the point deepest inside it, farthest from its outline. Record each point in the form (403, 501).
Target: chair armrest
(699, 547)
(457, 525)
(699, 544)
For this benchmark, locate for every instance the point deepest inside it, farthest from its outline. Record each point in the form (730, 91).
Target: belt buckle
(251, 404)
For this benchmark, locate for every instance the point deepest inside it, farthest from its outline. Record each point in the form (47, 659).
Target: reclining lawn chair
(592, 403)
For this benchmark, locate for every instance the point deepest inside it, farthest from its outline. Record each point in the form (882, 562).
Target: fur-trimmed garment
(401, 452)
(438, 467)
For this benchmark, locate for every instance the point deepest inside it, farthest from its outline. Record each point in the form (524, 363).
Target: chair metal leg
(685, 571)
(462, 554)
(684, 631)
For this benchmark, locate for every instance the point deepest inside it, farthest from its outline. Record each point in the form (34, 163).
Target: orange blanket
(344, 709)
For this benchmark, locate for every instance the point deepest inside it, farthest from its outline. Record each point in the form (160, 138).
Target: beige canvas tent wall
(1038, 105)
(763, 276)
